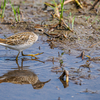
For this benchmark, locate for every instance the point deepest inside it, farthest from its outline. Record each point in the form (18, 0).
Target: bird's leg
(32, 55)
(17, 56)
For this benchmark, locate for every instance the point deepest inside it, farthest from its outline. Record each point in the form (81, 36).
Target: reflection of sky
(53, 89)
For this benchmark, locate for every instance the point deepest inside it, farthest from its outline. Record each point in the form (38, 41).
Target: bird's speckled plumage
(21, 38)
(20, 41)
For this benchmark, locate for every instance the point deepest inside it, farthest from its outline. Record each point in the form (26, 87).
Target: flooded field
(61, 52)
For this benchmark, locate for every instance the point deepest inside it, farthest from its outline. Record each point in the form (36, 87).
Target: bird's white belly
(17, 47)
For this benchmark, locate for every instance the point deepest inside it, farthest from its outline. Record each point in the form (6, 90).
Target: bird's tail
(2, 79)
(2, 40)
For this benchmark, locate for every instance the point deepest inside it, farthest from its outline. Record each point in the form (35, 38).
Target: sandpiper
(22, 41)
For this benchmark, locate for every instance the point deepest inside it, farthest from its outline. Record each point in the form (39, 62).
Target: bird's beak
(47, 34)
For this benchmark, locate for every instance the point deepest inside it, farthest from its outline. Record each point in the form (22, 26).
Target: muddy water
(83, 83)
(83, 80)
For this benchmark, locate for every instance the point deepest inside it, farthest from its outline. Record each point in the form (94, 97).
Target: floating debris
(89, 91)
(65, 73)
(81, 55)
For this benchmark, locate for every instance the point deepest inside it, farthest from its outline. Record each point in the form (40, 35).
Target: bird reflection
(22, 76)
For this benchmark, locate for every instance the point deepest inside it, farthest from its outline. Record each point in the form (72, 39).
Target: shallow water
(53, 90)
(84, 83)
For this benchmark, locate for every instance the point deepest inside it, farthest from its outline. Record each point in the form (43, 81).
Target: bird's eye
(40, 30)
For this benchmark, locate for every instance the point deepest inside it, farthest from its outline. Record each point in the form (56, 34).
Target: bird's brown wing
(19, 38)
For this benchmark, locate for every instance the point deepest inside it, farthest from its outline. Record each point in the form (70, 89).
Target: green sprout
(87, 17)
(3, 6)
(73, 20)
(62, 8)
(14, 11)
(18, 13)
(61, 62)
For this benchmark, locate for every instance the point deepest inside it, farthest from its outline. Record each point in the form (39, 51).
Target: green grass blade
(62, 10)
(73, 22)
(18, 14)
(4, 6)
(14, 11)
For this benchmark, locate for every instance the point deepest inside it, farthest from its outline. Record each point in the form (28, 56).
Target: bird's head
(40, 30)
